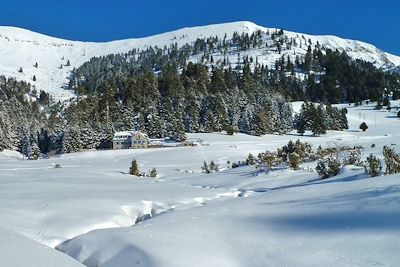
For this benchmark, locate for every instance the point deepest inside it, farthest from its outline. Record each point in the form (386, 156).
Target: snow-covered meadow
(93, 211)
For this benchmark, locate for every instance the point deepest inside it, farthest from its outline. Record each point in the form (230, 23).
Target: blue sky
(372, 21)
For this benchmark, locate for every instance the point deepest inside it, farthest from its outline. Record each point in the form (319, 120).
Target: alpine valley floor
(93, 211)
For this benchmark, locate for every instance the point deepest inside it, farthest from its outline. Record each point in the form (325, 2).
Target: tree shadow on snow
(317, 181)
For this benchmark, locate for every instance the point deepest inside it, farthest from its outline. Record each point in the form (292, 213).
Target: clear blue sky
(373, 21)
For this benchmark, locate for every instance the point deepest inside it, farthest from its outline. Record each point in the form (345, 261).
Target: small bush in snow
(304, 150)
(334, 166)
(328, 167)
(214, 166)
(334, 149)
(230, 130)
(251, 160)
(57, 166)
(294, 161)
(392, 160)
(354, 158)
(373, 166)
(205, 168)
(268, 159)
(153, 173)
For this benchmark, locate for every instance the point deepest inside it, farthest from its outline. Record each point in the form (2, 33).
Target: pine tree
(378, 105)
(386, 102)
(317, 117)
(363, 126)
(301, 127)
(34, 78)
(301, 122)
(133, 170)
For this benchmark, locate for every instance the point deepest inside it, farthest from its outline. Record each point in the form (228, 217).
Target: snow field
(92, 210)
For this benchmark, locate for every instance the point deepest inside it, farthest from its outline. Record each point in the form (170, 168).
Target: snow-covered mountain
(20, 48)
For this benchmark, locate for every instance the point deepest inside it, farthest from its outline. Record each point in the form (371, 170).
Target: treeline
(160, 91)
(166, 104)
(318, 75)
(319, 119)
(20, 119)
(173, 102)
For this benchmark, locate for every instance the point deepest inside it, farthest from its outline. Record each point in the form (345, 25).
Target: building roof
(127, 134)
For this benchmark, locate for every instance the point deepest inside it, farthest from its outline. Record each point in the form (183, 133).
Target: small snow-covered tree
(328, 167)
(251, 160)
(133, 170)
(373, 166)
(363, 126)
(205, 168)
(353, 158)
(153, 173)
(267, 159)
(214, 166)
(392, 160)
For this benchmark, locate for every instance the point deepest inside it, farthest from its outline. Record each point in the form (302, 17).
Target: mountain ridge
(22, 48)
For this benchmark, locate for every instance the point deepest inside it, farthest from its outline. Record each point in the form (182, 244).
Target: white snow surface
(23, 48)
(17, 250)
(92, 210)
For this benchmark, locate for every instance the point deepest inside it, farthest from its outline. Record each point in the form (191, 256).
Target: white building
(130, 139)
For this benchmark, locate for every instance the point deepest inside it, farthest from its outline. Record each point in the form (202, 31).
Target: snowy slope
(95, 212)
(20, 48)
(16, 250)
